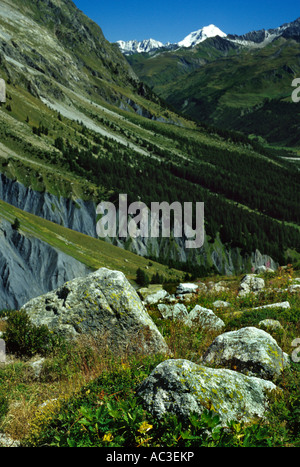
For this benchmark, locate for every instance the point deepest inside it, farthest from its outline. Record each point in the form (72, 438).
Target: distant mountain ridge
(257, 38)
(264, 36)
(191, 40)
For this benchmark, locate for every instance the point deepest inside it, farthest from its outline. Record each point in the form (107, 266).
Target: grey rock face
(30, 267)
(249, 350)
(79, 215)
(183, 387)
(103, 305)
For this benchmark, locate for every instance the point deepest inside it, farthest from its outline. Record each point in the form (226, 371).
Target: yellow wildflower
(108, 437)
(145, 427)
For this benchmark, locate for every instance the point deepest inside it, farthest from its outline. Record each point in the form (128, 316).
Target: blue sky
(172, 20)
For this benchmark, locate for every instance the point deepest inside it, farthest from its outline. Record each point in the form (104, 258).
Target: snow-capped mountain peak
(196, 37)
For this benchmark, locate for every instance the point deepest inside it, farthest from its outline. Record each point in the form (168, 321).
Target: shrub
(16, 224)
(26, 339)
(3, 406)
(142, 278)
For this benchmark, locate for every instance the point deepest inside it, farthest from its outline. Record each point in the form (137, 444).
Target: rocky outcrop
(249, 350)
(76, 215)
(30, 267)
(183, 387)
(103, 305)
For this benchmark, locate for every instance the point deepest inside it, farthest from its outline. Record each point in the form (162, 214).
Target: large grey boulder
(183, 387)
(249, 350)
(102, 304)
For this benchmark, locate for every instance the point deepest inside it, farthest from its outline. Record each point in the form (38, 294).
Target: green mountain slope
(239, 88)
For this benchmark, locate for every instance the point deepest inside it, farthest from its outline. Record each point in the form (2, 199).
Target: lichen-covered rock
(217, 287)
(177, 311)
(221, 304)
(294, 288)
(152, 294)
(250, 283)
(102, 304)
(205, 317)
(8, 442)
(283, 305)
(183, 387)
(271, 324)
(186, 287)
(156, 297)
(198, 315)
(249, 350)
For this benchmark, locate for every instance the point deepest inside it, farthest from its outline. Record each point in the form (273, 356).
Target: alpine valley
(83, 123)
(138, 341)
